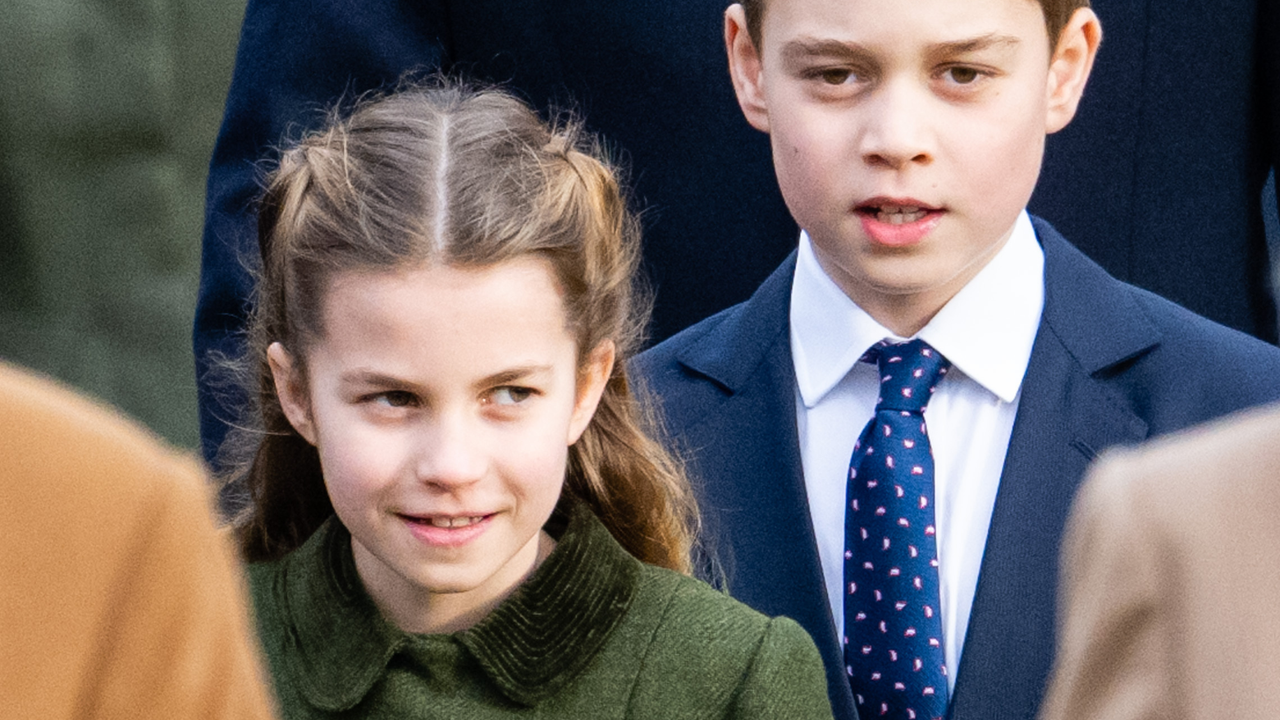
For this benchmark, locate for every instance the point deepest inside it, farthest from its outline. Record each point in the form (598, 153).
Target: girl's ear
(591, 383)
(1070, 66)
(291, 391)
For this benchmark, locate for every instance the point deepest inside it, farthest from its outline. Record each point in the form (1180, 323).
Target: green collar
(530, 646)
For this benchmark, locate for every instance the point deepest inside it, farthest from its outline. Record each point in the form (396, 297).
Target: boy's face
(907, 134)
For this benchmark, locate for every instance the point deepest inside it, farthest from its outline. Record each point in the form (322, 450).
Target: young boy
(907, 138)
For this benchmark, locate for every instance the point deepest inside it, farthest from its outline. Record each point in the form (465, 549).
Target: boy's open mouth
(897, 222)
(895, 214)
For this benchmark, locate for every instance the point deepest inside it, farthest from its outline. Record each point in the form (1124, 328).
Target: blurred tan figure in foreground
(1171, 580)
(118, 598)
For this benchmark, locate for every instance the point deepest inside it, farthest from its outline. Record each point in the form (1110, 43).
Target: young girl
(454, 510)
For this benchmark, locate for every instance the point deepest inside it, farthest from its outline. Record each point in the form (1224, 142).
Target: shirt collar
(986, 330)
(530, 646)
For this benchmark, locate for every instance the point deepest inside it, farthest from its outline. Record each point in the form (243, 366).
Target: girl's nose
(450, 453)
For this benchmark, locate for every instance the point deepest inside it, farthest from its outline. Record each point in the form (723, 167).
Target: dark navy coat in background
(1111, 365)
(1158, 178)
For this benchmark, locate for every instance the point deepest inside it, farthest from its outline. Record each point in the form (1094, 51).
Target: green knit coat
(593, 633)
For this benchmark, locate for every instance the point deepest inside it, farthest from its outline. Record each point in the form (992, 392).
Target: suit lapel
(1067, 414)
(753, 492)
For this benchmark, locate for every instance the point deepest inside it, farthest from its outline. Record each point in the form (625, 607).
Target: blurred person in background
(119, 598)
(1170, 579)
(110, 110)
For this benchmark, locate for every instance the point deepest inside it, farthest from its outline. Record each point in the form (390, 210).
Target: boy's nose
(449, 453)
(895, 131)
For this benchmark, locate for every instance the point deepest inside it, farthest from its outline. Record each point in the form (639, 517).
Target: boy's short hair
(1056, 15)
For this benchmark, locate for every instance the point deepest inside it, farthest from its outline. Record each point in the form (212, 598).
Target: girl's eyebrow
(516, 373)
(363, 376)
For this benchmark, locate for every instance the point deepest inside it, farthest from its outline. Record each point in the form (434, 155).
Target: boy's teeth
(444, 522)
(899, 214)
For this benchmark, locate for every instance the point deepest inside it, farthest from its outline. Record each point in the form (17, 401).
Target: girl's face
(442, 402)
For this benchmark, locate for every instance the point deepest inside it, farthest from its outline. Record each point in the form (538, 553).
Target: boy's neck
(903, 319)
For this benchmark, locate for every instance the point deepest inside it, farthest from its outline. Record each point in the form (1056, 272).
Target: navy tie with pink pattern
(893, 644)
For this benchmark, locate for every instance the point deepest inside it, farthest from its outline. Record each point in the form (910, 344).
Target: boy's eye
(836, 76)
(510, 395)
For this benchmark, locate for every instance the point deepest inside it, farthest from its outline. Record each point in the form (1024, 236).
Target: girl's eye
(962, 75)
(510, 395)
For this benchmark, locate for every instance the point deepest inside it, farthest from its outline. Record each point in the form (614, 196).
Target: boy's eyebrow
(977, 44)
(809, 47)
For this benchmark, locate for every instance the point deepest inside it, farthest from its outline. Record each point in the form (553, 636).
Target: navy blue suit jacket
(1158, 177)
(1111, 365)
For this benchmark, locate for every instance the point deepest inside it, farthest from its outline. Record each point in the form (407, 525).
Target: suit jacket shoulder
(720, 355)
(1170, 367)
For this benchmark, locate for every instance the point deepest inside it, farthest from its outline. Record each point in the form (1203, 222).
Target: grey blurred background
(108, 112)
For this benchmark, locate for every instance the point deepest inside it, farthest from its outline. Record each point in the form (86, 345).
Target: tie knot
(909, 372)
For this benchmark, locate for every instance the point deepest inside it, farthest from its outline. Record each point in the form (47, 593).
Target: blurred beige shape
(1170, 604)
(118, 597)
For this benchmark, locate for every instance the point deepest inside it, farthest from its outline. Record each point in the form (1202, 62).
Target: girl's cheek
(363, 464)
(541, 468)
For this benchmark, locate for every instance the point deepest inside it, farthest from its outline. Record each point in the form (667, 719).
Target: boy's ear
(292, 391)
(744, 68)
(592, 380)
(1070, 66)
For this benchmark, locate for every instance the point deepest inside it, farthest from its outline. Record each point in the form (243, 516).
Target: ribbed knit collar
(530, 646)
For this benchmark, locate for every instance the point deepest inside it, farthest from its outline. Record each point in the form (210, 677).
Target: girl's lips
(447, 531)
(899, 226)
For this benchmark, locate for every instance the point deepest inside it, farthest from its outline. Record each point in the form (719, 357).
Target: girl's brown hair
(448, 173)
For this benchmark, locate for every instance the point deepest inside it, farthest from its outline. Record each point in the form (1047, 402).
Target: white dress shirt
(986, 331)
